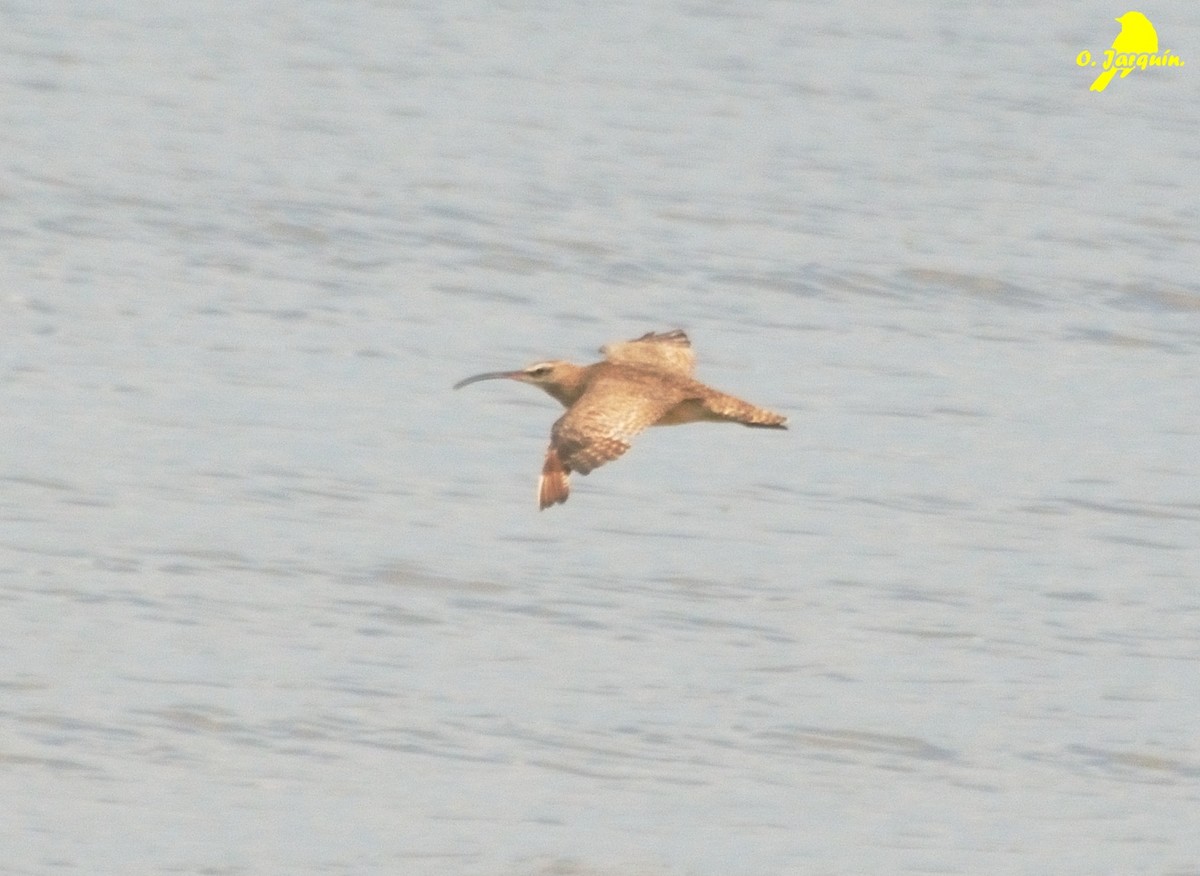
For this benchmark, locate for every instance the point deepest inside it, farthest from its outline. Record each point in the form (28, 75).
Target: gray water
(276, 600)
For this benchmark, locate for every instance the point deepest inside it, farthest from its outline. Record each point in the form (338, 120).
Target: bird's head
(560, 379)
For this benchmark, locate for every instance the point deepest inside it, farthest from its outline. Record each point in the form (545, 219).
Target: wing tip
(674, 336)
(553, 486)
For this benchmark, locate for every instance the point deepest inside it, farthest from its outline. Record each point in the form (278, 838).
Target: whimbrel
(639, 383)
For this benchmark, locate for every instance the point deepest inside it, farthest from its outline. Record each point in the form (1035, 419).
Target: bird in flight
(640, 383)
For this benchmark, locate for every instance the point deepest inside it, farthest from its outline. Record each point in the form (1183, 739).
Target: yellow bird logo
(1137, 37)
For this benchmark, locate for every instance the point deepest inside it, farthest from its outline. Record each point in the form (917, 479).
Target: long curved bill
(491, 375)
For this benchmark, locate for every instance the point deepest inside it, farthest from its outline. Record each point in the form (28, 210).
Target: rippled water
(277, 600)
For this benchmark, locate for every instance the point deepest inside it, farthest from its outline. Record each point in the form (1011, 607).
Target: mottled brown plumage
(640, 383)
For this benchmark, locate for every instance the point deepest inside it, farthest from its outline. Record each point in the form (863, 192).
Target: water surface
(277, 600)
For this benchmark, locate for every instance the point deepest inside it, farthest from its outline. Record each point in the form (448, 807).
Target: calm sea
(274, 599)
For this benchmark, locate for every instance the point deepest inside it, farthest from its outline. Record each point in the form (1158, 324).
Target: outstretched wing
(598, 427)
(661, 351)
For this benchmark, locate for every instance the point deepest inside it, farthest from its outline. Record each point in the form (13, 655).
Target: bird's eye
(539, 371)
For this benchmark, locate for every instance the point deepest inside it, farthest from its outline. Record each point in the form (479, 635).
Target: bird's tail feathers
(1101, 81)
(725, 407)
